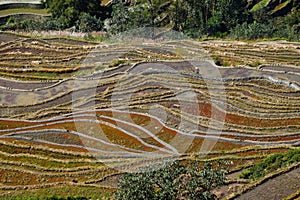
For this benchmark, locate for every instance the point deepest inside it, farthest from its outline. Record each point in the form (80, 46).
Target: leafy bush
(88, 23)
(175, 181)
(272, 163)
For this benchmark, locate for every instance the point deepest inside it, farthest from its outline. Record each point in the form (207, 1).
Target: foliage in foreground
(175, 181)
(272, 163)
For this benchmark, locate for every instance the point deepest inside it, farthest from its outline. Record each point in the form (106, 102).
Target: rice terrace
(78, 112)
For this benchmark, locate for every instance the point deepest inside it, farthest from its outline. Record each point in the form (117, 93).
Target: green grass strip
(272, 163)
(19, 1)
(23, 11)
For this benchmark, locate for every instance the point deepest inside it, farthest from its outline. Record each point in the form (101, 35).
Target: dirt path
(276, 188)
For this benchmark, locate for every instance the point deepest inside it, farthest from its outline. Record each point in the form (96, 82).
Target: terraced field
(75, 115)
(22, 9)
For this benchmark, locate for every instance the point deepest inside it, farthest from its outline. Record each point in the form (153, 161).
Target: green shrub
(88, 23)
(116, 63)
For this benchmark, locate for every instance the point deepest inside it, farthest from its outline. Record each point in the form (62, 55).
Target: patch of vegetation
(255, 64)
(271, 163)
(174, 181)
(116, 63)
(45, 74)
(100, 67)
(94, 38)
(88, 23)
(221, 61)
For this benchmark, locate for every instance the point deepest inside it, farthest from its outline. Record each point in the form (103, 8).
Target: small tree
(174, 181)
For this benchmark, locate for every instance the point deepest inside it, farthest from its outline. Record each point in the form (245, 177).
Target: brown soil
(276, 188)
